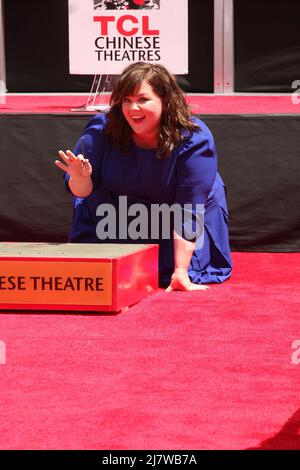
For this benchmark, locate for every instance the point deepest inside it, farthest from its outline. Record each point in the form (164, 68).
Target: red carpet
(200, 370)
(200, 104)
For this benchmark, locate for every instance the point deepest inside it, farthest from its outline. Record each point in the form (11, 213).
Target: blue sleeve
(91, 145)
(196, 167)
(196, 170)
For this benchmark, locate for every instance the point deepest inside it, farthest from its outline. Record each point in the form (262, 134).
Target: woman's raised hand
(77, 167)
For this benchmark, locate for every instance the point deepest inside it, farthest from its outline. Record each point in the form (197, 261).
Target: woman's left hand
(181, 281)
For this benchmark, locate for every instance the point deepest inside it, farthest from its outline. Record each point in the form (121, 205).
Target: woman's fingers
(186, 288)
(71, 156)
(87, 167)
(74, 165)
(198, 287)
(61, 165)
(63, 156)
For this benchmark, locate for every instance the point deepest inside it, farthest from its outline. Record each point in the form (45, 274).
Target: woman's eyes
(140, 100)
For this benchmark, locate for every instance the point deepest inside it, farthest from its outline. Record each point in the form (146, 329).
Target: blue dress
(188, 176)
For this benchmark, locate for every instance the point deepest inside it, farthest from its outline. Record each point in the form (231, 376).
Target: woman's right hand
(77, 167)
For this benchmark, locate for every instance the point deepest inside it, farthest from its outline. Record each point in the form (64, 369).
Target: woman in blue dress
(148, 152)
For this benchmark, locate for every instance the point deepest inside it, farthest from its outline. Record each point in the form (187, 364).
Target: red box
(70, 276)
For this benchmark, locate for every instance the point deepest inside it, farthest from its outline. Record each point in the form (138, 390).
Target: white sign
(107, 35)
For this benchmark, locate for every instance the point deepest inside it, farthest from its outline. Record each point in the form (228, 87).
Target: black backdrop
(37, 53)
(267, 46)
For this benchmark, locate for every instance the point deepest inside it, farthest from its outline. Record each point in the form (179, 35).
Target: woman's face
(143, 113)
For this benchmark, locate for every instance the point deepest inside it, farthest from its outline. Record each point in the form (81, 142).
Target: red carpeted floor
(200, 104)
(181, 370)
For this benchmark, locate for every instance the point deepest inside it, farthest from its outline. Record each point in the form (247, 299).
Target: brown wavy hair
(176, 115)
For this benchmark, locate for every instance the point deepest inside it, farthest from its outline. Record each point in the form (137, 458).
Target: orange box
(71, 276)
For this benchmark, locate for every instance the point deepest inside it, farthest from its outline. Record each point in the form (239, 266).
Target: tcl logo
(127, 25)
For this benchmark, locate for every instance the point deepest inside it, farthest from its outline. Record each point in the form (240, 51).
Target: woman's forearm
(183, 251)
